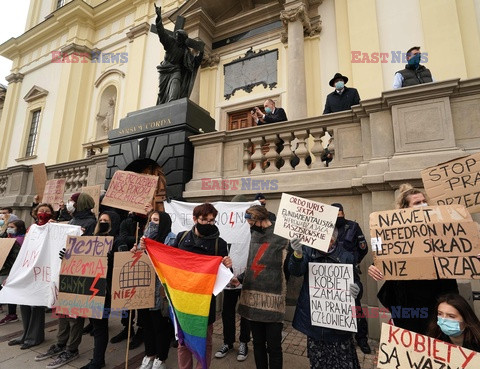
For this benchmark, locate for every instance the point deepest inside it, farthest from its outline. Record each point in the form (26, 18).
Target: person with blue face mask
(343, 97)
(414, 73)
(272, 113)
(456, 323)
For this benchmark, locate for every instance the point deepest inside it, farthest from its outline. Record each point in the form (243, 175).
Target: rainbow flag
(188, 279)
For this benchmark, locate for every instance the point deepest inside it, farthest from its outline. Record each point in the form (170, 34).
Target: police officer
(351, 239)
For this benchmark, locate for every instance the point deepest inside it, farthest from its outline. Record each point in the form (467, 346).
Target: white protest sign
(34, 278)
(230, 221)
(310, 221)
(400, 348)
(331, 304)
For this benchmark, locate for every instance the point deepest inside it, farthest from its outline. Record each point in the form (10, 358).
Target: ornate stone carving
(14, 77)
(210, 60)
(311, 27)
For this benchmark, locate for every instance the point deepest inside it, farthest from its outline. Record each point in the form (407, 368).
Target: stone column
(294, 17)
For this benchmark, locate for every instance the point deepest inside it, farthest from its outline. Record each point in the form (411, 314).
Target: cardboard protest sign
(408, 243)
(53, 194)
(310, 221)
(130, 191)
(230, 221)
(6, 245)
(82, 286)
(455, 182)
(133, 281)
(33, 279)
(94, 191)
(331, 304)
(400, 348)
(39, 179)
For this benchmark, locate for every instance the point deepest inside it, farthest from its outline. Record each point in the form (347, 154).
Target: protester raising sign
(130, 191)
(33, 279)
(455, 182)
(133, 281)
(53, 194)
(331, 304)
(230, 221)
(400, 348)
(39, 179)
(82, 286)
(407, 243)
(310, 221)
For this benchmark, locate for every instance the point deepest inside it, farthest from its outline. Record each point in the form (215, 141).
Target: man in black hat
(351, 239)
(343, 98)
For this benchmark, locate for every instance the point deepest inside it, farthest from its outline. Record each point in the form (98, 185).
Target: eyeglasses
(206, 221)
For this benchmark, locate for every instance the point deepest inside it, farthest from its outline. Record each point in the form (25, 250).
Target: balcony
(378, 144)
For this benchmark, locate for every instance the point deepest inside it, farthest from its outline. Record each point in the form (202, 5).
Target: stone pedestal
(159, 134)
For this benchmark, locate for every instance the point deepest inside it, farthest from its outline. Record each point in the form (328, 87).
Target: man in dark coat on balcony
(343, 98)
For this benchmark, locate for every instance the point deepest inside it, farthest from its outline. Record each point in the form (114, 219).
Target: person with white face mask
(343, 98)
(455, 323)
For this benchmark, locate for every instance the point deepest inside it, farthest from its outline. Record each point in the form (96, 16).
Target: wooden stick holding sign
(408, 243)
(130, 191)
(310, 221)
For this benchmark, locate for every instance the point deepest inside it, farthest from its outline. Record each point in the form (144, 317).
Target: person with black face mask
(352, 240)
(263, 280)
(203, 238)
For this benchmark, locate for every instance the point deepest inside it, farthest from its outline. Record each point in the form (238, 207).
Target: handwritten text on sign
(82, 287)
(130, 191)
(133, 281)
(331, 304)
(455, 182)
(407, 243)
(400, 348)
(53, 193)
(310, 221)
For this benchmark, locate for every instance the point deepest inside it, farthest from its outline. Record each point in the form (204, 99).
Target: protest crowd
(98, 263)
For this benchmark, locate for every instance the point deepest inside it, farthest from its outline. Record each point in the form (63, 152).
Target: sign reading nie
(130, 191)
(455, 182)
(331, 304)
(415, 243)
(400, 348)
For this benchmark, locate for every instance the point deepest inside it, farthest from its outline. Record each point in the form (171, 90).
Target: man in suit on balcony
(343, 98)
(272, 113)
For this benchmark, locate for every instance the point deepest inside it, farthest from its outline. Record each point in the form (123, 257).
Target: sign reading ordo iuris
(310, 221)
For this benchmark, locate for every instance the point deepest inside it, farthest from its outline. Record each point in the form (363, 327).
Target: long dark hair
(471, 334)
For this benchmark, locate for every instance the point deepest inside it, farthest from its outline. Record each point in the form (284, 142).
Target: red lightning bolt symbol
(256, 267)
(92, 287)
(231, 220)
(137, 257)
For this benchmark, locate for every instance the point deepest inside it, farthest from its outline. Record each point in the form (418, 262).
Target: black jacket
(278, 115)
(336, 102)
(85, 219)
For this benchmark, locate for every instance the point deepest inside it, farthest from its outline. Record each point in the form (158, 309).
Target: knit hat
(75, 196)
(84, 202)
(259, 196)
